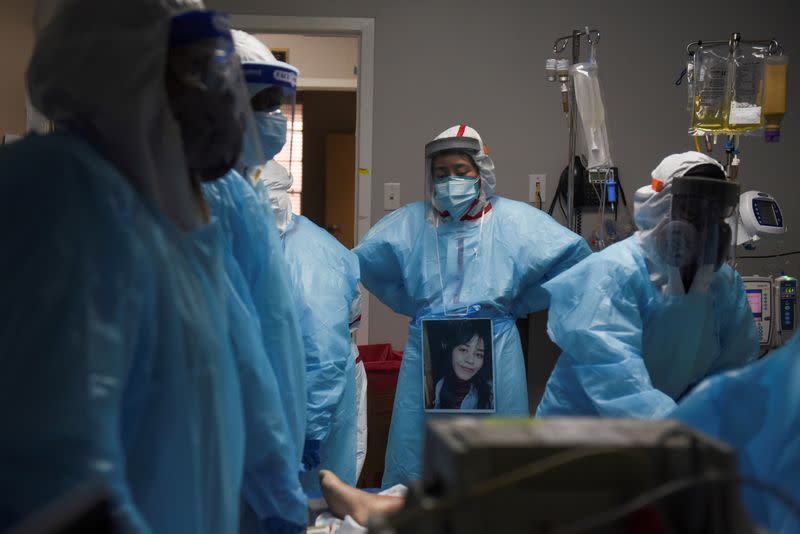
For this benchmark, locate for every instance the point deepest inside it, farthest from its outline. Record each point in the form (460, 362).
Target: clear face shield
(697, 240)
(452, 177)
(273, 90)
(453, 189)
(207, 93)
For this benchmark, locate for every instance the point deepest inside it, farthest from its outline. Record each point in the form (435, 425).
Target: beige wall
(324, 62)
(16, 44)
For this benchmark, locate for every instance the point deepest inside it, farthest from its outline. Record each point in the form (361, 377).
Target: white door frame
(364, 29)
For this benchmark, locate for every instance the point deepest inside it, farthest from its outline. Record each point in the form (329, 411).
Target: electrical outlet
(391, 196)
(537, 194)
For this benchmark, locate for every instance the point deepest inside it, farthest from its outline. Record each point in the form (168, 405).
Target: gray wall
(439, 63)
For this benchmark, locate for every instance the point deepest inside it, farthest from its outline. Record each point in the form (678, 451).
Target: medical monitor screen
(766, 210)
(754, 298)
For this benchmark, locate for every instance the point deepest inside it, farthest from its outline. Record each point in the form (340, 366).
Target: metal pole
(576, 52)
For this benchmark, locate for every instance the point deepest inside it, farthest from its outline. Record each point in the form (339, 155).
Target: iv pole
(732, 145)
(593, 37)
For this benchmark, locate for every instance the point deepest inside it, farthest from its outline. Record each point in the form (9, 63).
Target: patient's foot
(346, 500)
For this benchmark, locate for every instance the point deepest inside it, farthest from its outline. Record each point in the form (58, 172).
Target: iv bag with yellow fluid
(708, 88)
(745, 89)
(775, 69)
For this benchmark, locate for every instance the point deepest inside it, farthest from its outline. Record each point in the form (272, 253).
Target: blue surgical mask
(455, 194)
(271, 128)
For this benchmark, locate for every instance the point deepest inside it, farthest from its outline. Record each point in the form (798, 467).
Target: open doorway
(322, 158)
(333, 190)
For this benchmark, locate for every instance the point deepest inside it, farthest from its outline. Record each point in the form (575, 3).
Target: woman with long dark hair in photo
(464, 368)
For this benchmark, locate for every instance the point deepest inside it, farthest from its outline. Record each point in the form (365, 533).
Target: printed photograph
(458, 365)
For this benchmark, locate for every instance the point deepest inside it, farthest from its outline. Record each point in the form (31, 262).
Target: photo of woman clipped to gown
(458, 370)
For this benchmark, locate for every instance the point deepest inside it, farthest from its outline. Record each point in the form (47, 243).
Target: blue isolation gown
(756, 410)
(630, 351)
(256, 246)
(271, 484)
(492, 267)
(324, 278)
(115, 363)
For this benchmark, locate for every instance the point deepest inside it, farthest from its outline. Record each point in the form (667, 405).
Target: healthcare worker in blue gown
(254, 262)
(643, 321)
(251, 229)
(324, 279)
(464, 253)
(116, 363)
(756, 410)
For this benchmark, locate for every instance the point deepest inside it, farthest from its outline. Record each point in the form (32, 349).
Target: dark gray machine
(483, 475)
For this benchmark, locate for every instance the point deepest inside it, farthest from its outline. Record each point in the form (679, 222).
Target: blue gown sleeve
(323, 295)
(754, 409)
(548, 250)
(381, 270)
(74, 289)
(738, 338)
(595, 317)
(271, 485)
(268, 278)
(249, 223)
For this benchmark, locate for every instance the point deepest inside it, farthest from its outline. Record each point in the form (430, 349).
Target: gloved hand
(311, 458)
(276, 525)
